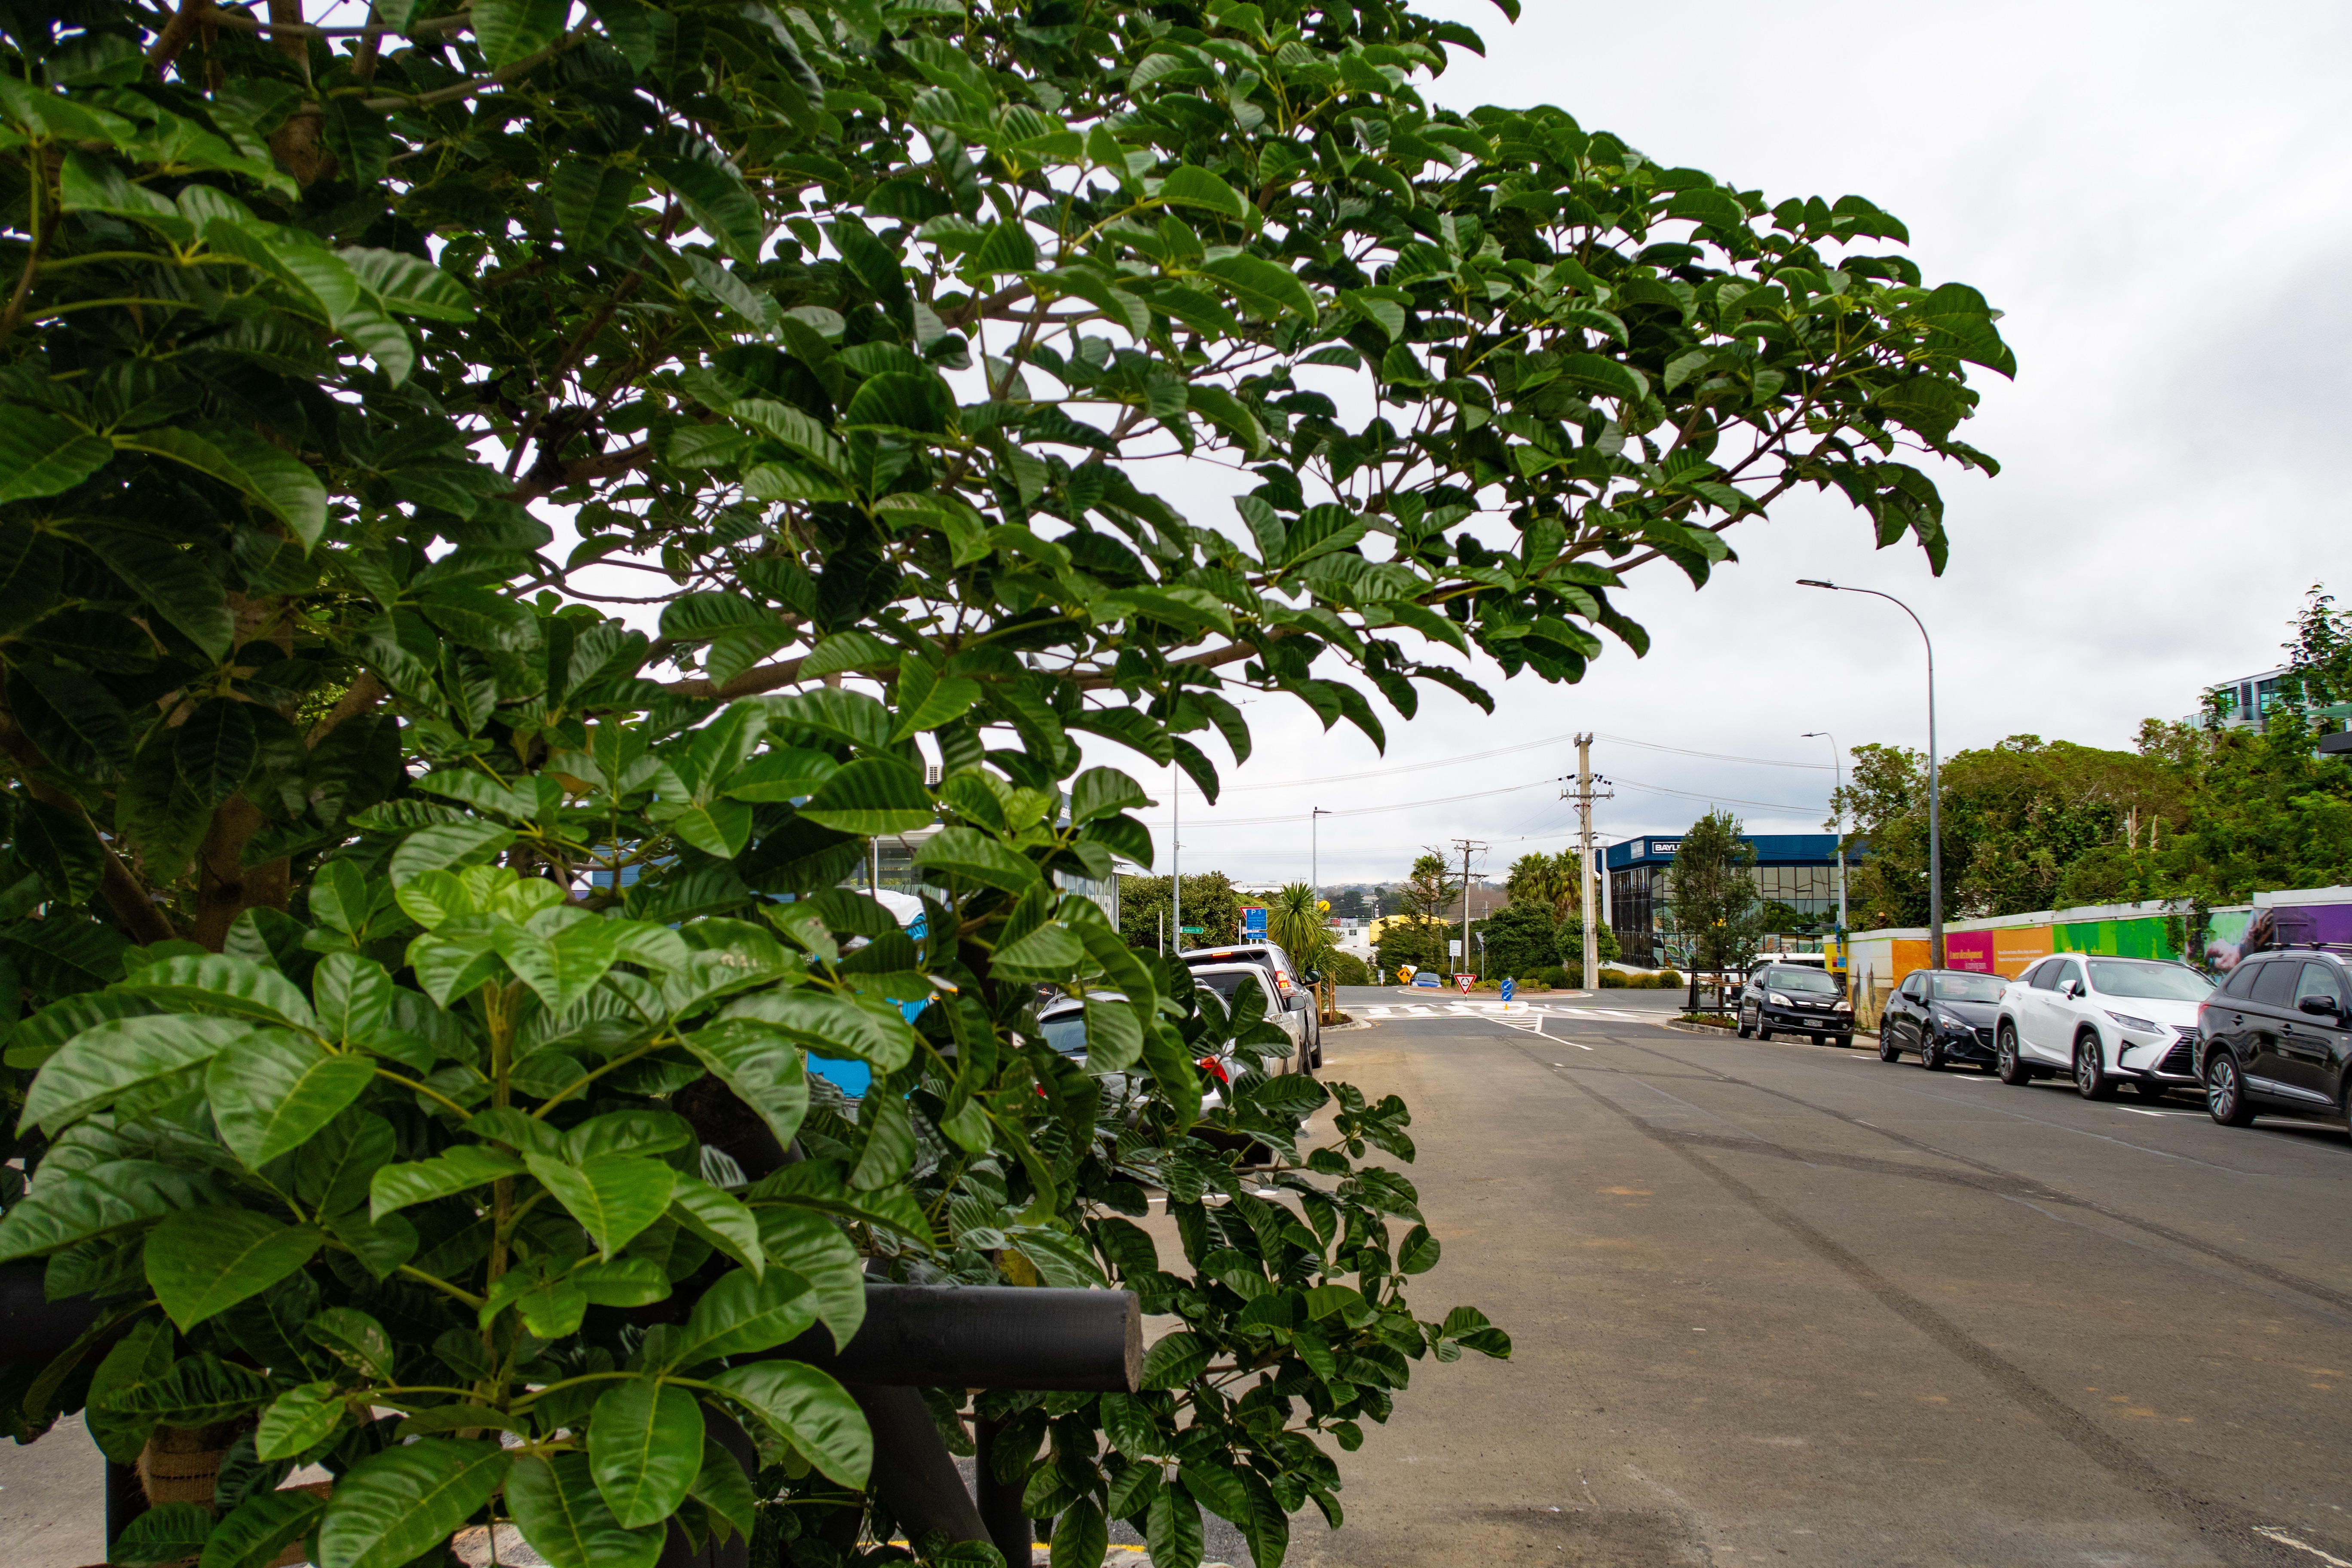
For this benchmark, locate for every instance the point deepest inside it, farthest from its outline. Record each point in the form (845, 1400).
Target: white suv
(2102, 1022)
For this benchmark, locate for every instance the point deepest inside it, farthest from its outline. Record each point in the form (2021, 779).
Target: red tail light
(1210, 1064)
(1282, 981)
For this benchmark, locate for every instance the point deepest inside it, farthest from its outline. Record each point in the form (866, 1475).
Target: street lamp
(1314, 850)
(1934, 785)
(1837, 760)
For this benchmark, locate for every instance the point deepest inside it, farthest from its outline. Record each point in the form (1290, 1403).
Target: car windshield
(1229, 984)
(1969, 987)
(1812, 982)
(2162, 981)
(1066, 1034)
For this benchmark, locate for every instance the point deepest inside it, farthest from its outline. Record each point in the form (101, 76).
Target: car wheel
(2006, 1061)
(2091, 1079)
(1817, 1039)
(1845, 1042)
(1888, 1051)
(1931, 1053)
(2225, 1092)
(1762, 1032)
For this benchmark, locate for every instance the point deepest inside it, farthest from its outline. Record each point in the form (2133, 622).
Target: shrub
(1347, 969)
(1558, 978)
(1614, 980)
(1667, 980)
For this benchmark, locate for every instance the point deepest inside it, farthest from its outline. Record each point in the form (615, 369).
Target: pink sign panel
(1971, 951)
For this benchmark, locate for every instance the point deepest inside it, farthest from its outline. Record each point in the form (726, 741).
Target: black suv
(2277, 1037)
(1795, 1000)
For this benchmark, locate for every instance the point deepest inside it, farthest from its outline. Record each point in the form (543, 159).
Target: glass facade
(1795, 871)
(890, 866)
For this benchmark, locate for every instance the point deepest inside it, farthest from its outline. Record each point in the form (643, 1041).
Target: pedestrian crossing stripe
(1495, 1010)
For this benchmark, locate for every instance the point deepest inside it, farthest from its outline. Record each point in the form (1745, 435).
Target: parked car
(1942, 1015)
(1795, 999)
(2277, 1037)
(1292, 996)
(2104, 1022)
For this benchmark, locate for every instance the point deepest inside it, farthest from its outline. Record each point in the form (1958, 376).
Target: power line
(1372, 810)
(1711, 799)
(1504, 751)
(1714, 756)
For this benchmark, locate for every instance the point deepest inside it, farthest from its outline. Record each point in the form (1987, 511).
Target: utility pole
(1176, 851)
(1466, 845)
(1315, 851)
(1837, 760)
(1584, 795)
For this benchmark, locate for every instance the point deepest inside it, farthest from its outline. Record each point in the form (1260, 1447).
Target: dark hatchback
(2277, 1037)
(1794, 1000)
(1942, 1015)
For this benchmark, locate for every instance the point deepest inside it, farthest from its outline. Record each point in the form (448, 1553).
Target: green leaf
(459, 1169)
(872, 1031)
(273, 1089)
(1172, 1529)
(720, 204)
(872, 796)
(279, 480)
(262, 1527)
(555, 1502)
(1262, 286)
(202, 1262)
(889, 1143)
(644, 1445)
(353, 994)
(785, 774)
(590, 200)
(447, 843)
(217, 749)
(355, 1337)
(1605, 375)
(813, 1247)
(62, 849)
(391, 1507)
(1420, 1251)
(808, 1410)
(1189, 186)
(721, 1219)
(173, 581)
(66, 1207)
(300, 1420)
(741, 1314)
(613, 1196)
(759, 1062)
(1217, 1488)
(1174, 1361)
(44, 456)
(107, 1059)
(723, 1488)
(215, 982)
(903, 402)
(167, 1533)
(509, 30)
(1081, 1536)
(972, 855)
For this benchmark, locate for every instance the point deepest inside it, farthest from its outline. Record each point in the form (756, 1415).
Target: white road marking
(2273, 1532)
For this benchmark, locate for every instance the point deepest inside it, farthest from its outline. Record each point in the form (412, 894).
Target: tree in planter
(1713, 884)
(377, 908)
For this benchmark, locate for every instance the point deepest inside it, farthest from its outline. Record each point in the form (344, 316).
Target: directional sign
(1510, 989)
(1193, 931)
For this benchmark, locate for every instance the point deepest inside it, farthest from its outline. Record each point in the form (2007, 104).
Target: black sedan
(1942, 1015)
(1795, 999)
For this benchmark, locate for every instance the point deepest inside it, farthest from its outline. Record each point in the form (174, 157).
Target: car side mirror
(1312, 976)
(2069, 989)
(2326, 1006)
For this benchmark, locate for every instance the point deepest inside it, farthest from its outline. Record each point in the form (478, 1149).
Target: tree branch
(363, 694)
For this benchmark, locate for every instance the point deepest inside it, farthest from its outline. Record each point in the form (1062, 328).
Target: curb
(1688, 1028)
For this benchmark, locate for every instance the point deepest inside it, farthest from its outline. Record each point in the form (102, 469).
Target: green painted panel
(2144, 936)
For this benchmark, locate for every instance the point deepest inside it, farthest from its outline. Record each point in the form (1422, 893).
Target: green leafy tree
(1145, 911)
(1568, 939)
(1713, 883)
(1299, 926)
(409, 963)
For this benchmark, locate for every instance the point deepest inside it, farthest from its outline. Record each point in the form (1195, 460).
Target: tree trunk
(225, 887)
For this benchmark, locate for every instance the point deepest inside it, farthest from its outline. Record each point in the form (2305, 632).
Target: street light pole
(1837, 760)
(1314, 851)
(1935, 782)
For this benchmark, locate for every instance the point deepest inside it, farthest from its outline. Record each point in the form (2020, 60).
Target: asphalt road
(1787, 1303)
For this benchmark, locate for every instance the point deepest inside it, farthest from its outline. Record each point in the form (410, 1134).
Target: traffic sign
(1465, 981)
(1510, 989)
(1193, 931)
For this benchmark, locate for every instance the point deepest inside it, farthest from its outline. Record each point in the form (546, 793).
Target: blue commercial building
(1797, 870)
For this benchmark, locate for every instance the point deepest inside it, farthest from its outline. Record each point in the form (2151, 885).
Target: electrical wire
(1506, 751)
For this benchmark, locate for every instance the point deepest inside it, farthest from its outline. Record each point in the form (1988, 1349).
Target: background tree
(1712, 880)
(383, 914)
(1299, 926)
(1568, 939)
(1418, 934)
(1519, 939)
(1145, 907)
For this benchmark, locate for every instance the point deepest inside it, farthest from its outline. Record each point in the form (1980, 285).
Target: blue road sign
(1510, 989)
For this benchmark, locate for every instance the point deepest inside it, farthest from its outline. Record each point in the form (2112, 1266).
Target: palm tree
(1295, 919)
(1548, 881)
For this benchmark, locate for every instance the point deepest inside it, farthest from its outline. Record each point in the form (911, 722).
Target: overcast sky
(2153, 195)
